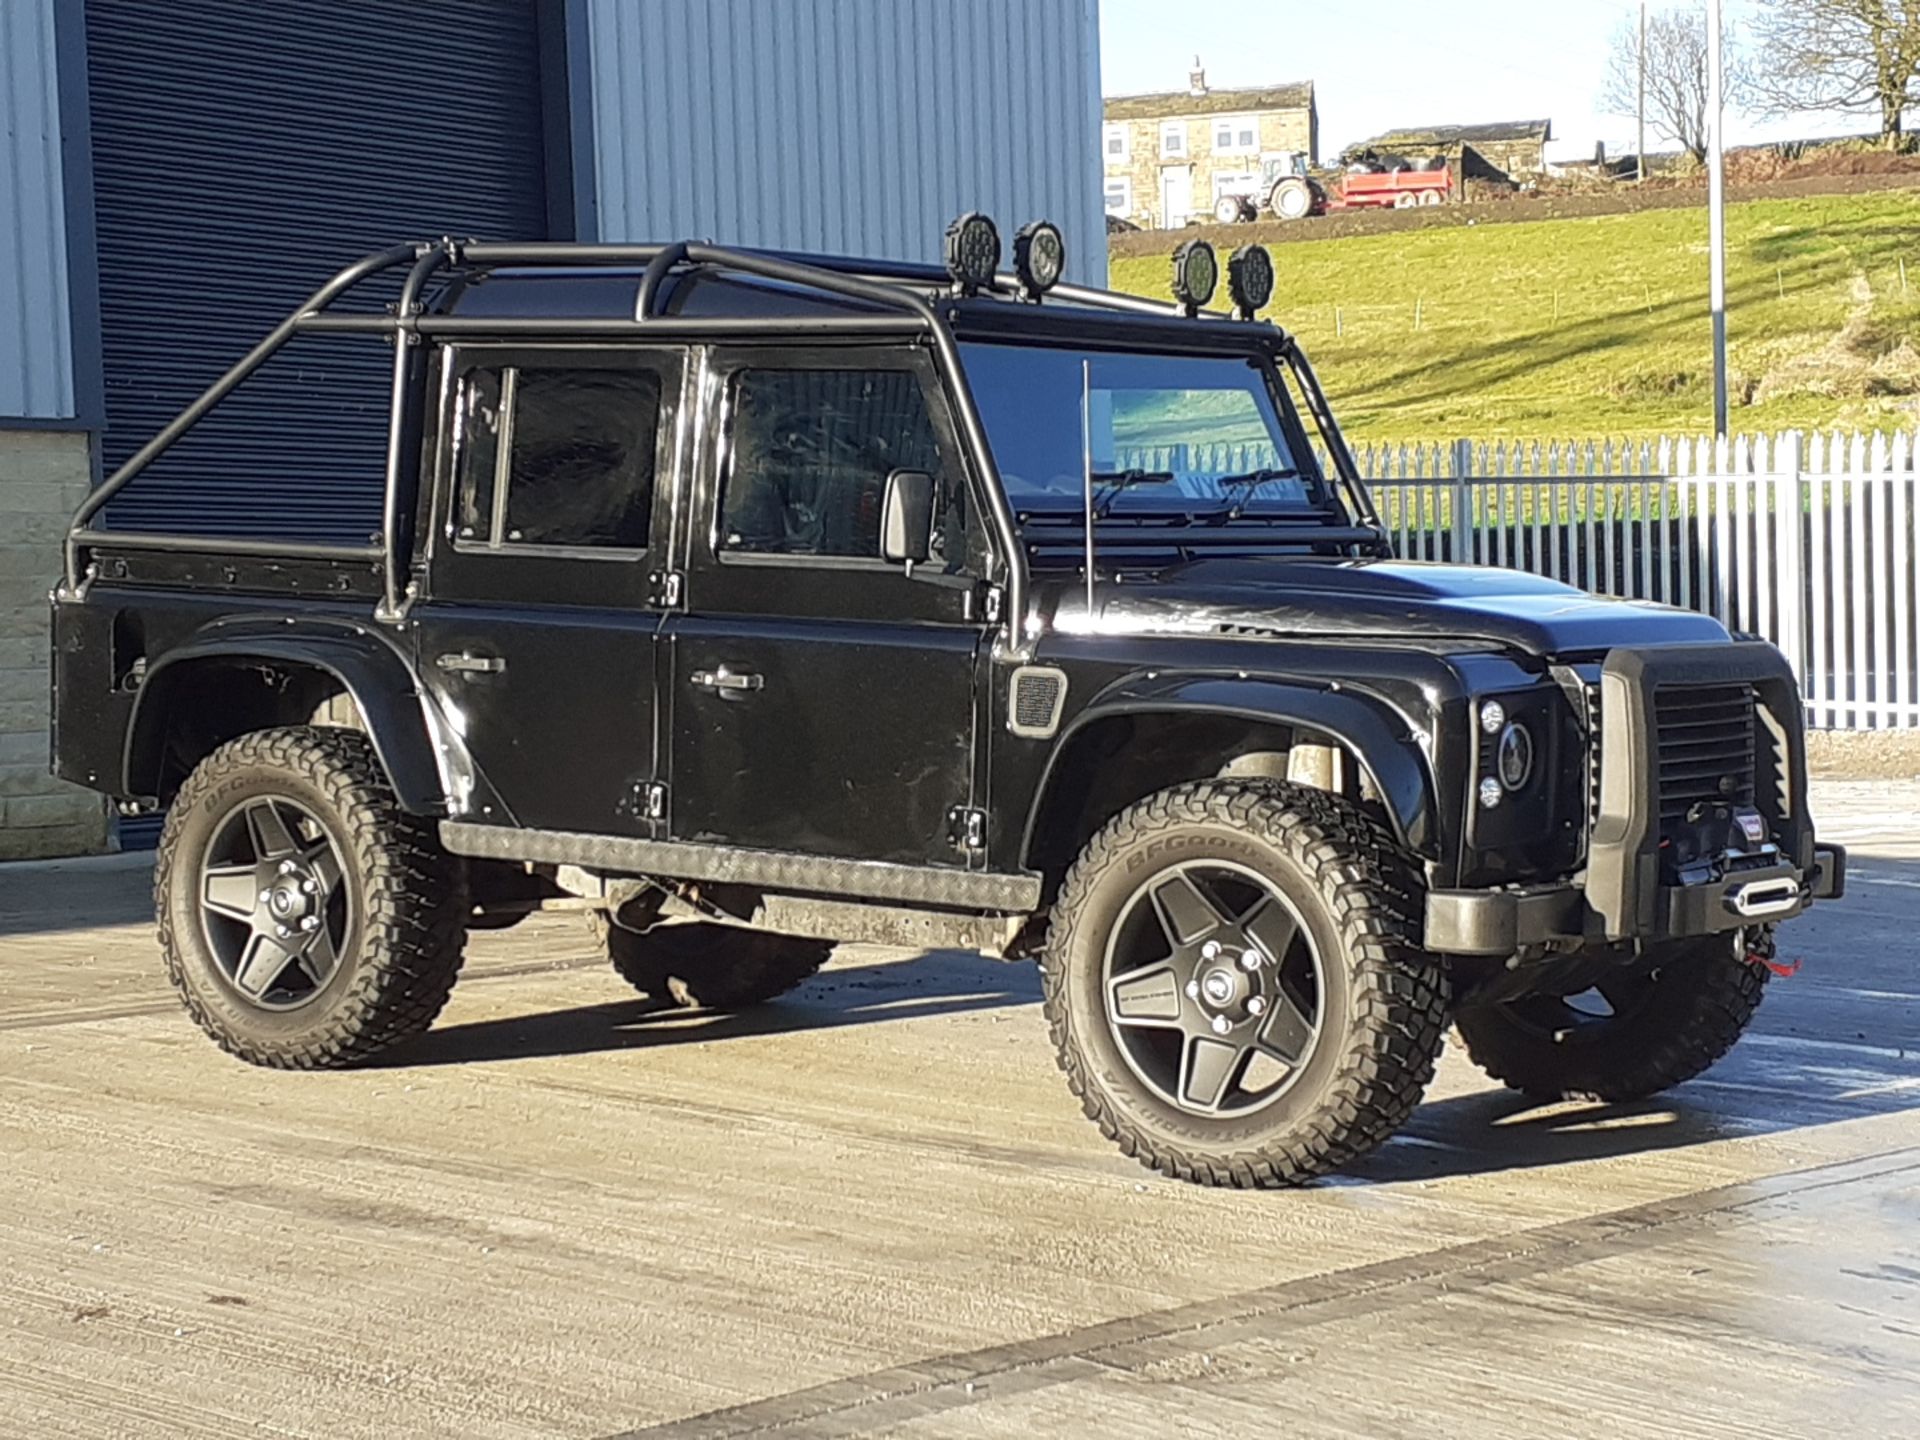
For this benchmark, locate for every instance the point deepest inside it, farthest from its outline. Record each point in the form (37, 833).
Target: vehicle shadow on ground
(84, 896)
(939, 983)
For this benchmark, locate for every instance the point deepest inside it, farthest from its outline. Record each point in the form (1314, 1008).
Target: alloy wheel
(1213, 989)
(273, 903)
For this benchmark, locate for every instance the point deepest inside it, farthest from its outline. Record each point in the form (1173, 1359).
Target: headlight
(1514, 758)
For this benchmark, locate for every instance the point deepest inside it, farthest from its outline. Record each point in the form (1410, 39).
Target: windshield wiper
(1110, 483)
(1250, 481)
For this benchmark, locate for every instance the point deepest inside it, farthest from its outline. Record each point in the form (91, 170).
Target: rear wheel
(1291, 199)
(1405, 200)
(1232, 987)
(1629, 1037)
(1430, 197)
(307, 921)
(713, 967)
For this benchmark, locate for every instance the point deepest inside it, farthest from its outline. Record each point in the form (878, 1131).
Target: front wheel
(1232, 985)
(1631, 1036)
(307, 921)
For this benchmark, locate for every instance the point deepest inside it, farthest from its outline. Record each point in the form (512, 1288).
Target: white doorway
(1176, 196)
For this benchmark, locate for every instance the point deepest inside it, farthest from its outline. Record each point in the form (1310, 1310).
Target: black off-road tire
(1698, 1004)
(1383, 1014)
(712, 967)
(406, 897)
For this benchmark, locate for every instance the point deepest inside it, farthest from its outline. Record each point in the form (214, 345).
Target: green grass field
(1598, 327)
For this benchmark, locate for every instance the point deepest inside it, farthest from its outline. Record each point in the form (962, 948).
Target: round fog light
(1490, 793)
(1492, 716)
(1515, 757)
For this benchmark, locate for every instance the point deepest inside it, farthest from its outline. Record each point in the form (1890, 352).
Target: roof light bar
(1195, 275)
(1039, 257)
(1250, 279)
(973, 252)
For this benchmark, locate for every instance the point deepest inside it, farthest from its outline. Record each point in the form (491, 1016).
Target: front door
(537, 630)
(823, 699)
(1176, 196)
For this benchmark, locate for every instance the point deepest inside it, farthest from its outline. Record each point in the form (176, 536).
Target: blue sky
(1381, 63)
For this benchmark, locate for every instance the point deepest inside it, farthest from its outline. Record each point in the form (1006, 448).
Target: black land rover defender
(756, 601)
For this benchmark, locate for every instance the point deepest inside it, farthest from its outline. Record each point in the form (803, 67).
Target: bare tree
(1857, 55)
(1676, 73)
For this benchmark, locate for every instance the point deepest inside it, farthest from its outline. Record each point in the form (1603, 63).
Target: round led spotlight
(1195, 274)
(973, 251)
(1514, 758)
(1489, 793)
(1250, 279)
(1039, 255)
(1492, 716)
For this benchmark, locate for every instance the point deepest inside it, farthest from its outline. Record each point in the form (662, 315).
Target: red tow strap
(1785, 969)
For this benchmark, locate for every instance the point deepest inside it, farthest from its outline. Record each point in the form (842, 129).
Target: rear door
(821, 700)
(537, 629)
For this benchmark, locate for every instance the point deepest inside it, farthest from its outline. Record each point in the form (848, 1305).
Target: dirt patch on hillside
(1623, 199)
(1862, 361)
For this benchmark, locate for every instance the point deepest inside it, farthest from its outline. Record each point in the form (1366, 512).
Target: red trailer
(1398, 188)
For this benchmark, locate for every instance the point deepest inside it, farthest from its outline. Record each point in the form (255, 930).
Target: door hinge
(967, 828)
(668, 586)
(993, 604)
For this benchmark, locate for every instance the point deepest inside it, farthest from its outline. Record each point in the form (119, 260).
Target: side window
(809, 457)
(556, 457)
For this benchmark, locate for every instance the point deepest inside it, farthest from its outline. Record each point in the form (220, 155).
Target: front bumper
(1507, 922)
(1626, 892)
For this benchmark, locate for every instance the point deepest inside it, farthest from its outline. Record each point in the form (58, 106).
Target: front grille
(1706, 747)
(1592, 692)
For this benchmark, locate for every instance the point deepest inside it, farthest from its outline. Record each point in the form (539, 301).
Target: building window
(557, 458)
(1115, 140)
(1236, 135)
(1119, 195)
(1173, 139)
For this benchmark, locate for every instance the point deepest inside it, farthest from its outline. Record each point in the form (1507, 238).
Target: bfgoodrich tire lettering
(399, 947)
(1380, 1013)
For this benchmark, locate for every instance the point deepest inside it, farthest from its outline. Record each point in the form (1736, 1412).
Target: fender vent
(1035, 698)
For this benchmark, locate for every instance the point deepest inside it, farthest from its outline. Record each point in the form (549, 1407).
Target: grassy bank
(1590, 327)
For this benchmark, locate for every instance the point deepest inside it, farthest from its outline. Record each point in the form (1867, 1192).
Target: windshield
(1165, 432)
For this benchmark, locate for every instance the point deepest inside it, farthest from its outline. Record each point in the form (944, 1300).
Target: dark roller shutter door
(244, 150)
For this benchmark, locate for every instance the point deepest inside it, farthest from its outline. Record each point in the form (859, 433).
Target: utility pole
(1716, 217)
(1640, 145)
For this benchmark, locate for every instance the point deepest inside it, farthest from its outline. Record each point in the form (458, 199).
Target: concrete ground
(872, 1209)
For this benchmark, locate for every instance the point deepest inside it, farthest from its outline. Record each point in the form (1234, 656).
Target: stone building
(1509, 148)
(1168, 155)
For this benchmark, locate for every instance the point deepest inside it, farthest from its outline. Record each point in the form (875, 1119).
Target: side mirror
(906, 517)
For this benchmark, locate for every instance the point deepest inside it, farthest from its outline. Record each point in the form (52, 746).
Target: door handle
(465, 664)
(728, 684)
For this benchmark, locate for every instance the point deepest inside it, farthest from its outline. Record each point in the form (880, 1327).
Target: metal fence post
(1462, 502)
(1789, 555)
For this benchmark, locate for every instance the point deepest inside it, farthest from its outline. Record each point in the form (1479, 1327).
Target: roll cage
(898, 298)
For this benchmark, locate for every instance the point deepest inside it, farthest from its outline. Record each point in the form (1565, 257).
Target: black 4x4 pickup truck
(760, 601)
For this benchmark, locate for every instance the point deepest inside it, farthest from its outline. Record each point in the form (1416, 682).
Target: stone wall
(43, 475)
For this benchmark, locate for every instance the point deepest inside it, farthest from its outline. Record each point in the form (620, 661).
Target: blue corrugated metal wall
(36, 339)
(860, 126)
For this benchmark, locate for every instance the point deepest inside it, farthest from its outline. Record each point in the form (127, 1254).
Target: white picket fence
(1809, 541)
